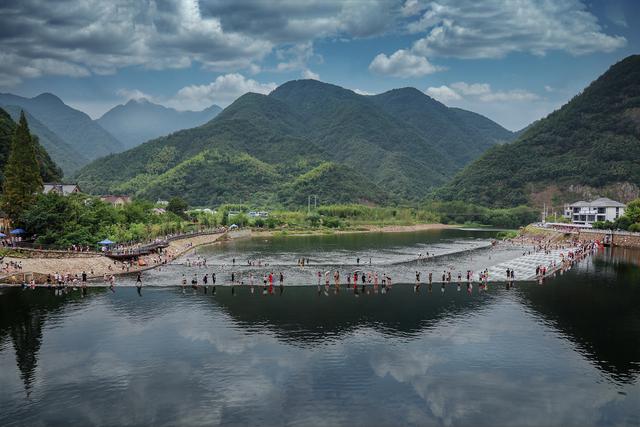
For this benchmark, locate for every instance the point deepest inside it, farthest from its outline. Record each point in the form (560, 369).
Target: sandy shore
(100, 265)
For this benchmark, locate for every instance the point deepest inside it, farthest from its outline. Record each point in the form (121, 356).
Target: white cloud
(64, 37)
(511, 95)
(308, 74)
(133, 94)
(402, 63)
(362, 92)
(296, 57)
(495, 28)
(478, 91)
(471, 89)
(443, 93)
(548, 88)
(222, 91)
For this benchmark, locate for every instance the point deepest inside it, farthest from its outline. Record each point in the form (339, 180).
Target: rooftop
(601, 202)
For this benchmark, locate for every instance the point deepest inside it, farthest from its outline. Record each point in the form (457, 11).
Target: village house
(601, 209)
(60, 188)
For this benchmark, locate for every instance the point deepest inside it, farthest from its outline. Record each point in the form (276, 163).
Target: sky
(513, 61)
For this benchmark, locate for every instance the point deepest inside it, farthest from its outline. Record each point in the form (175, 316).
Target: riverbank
(360, 229)
(96, 266)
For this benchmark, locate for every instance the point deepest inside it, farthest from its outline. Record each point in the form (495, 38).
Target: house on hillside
(116, 200)
(5, 223)
(60, 188)
(601, 209)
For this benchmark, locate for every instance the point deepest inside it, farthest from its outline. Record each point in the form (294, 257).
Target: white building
(601, 209)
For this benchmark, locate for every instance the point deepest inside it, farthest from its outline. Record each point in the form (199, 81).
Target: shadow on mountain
(598, 312)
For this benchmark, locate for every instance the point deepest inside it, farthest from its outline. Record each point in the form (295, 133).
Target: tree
(22, 180)
(178, 206)
(633, 211)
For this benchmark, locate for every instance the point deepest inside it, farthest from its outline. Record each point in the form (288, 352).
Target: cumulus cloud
(296, 57)
(495, 28)
(402, 63)
(222, 91)
(71, 38)
(308, 74)
(443, 93)
(478, 91)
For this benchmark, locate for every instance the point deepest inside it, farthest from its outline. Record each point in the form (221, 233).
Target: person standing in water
(281, 283)
(205, 281)
(139, 284)
(417, 287)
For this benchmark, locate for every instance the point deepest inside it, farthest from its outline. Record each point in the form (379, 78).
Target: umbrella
(106, 242)
(18, 231)
(2, 235)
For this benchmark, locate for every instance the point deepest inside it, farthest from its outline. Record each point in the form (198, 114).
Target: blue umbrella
(106, 242)
(18, 231)
(2, 235)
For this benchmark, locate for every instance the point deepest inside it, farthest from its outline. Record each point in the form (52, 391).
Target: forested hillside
(591, 144)
(306, 137)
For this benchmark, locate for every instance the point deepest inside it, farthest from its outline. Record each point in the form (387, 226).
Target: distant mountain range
(48, 169)
(63, 154)
(306, 137)
(73, 139)
(589, 147)
(74, 127)
(138, 121)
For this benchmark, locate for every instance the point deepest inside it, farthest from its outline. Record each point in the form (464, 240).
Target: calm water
(563, 353)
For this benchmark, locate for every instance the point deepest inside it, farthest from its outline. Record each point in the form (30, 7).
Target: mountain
(589, 147)
(304, 138)
(60, 152)
(74, 127)
(138, 121)
(463, 134)
(48, 169)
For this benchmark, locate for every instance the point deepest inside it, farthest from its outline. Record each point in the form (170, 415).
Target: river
(564, 352)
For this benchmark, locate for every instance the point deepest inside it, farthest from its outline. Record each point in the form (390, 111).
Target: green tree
(633, 211)
(22, 180)
(178, 206)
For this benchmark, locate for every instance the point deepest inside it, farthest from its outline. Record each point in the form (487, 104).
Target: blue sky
(511, 60)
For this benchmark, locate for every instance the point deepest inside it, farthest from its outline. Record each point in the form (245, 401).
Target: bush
(635, 227)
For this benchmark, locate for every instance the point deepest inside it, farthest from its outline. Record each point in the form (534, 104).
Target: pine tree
(22, 178)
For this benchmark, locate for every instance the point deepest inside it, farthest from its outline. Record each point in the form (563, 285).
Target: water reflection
(302, 316)
(563, 353)
(598, 311)
(22, 318)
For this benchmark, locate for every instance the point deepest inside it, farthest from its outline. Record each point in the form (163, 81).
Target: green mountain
(306, 137)
(590, 146)
(140, 120)
(464, 135)
(74, 127)
(61, 153)
(48, 169)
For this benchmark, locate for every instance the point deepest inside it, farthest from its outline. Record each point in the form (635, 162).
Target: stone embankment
(625, 239)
